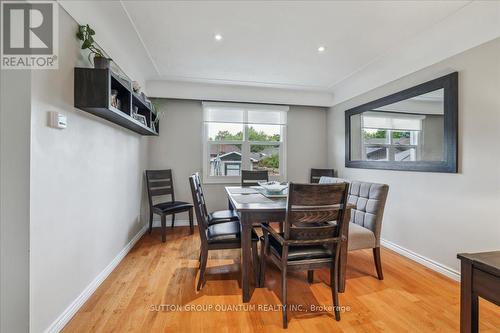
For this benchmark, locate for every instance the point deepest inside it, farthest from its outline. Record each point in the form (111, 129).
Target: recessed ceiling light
(218, 37)
(321, 49)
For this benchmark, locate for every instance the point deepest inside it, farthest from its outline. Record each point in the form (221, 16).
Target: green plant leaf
(86, 44)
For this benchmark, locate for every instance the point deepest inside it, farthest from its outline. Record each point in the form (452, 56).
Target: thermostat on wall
(57, 120)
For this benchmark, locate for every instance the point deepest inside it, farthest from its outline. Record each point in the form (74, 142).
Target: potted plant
(155, 108)
(85, 33)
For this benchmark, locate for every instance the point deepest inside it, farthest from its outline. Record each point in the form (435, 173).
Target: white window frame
(391, 146)
(245, 144)
(415, 140)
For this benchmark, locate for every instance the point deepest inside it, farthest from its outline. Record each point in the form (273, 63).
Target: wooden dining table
(253, 208)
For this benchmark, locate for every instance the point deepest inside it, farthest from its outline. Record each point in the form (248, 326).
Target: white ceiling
(169, 46)
(275, 43)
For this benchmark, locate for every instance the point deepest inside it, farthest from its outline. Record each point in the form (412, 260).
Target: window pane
(225, 131)
(401, 137)
(375, 153)
(375, 136)
(264, 132)
(405, 154)
(224, 160)
(265, 157)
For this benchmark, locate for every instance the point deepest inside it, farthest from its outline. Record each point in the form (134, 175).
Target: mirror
(411, 130)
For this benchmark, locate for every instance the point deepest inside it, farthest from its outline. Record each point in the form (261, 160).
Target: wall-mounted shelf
(93, 94)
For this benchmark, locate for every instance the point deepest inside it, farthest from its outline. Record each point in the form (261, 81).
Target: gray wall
(15, 89)
(180, 146)
(86, 188)
(437, 215)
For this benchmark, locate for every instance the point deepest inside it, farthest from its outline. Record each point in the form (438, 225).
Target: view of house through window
(390, 145)
(406, 131)
(243, 136)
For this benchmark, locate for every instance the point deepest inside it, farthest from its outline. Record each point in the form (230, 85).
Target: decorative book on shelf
(107, 95)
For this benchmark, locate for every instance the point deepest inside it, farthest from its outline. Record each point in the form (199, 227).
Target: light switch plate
(57, 120)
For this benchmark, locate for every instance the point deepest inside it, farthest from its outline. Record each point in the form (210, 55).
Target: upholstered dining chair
(315, 217)
(159, 184)
(316, 174)
(217, 236)
(366, 218)
(253, 177)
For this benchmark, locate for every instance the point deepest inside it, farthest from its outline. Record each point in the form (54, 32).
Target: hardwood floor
(411, 298)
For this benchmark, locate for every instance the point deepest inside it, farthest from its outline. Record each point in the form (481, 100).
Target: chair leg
(263, 258)
(310, 276)
(255, 263)
(199, 260)
(284, 297)
(334, 285)
(163, 228)
(150, 222)
(191, 225)
(173, 220)
(203, 266)
(378, 263)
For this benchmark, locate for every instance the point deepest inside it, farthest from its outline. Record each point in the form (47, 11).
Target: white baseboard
(66, 316)
(429, 263)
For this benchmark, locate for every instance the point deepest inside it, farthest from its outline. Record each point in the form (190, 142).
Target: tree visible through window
(233, 144)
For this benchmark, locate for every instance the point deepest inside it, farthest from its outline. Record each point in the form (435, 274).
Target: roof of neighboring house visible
(223, 149)
(227, 157)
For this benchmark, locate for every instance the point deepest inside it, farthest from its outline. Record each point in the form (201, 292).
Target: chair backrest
(370, 199)
(159, 183)
(316, 174)
(253, 177)
(203, 201)
(199, 205)
(316, 212)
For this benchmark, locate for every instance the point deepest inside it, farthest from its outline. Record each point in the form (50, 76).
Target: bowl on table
(273, 187)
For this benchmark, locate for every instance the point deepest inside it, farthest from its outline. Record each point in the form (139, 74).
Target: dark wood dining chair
(316, 174)
(315, 220)
(218, 216)
(159, 184)
(253, 177)
(218, 236)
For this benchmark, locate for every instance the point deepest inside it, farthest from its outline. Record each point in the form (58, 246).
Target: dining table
(253, 208)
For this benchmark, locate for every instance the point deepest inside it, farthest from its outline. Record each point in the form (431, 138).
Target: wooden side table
(480, 276)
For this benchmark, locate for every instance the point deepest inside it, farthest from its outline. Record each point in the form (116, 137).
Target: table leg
(246, 244)
(469, 309)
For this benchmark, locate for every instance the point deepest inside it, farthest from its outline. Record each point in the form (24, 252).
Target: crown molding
(237, 93)
(471, 26)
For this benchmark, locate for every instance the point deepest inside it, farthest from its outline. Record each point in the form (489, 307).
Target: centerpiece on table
(274, 189)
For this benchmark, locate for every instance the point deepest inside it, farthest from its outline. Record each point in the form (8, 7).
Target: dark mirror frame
(450, 85)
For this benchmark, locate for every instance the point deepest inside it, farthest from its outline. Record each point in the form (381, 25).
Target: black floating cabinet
(93, 94)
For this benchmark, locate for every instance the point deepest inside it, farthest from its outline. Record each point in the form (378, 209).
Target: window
(243, 136)
(391, 137)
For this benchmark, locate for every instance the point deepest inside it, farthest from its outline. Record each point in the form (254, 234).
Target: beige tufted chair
(366, 219)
